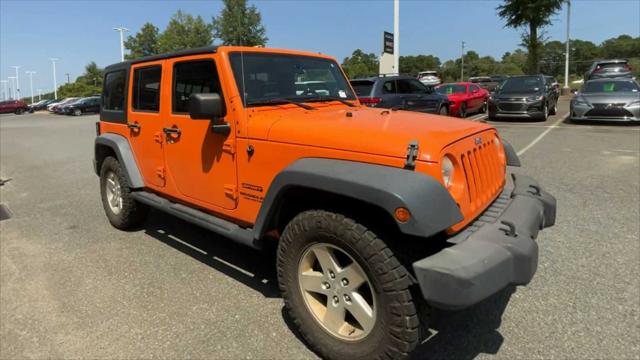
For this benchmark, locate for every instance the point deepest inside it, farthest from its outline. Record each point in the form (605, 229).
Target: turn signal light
(402, 214)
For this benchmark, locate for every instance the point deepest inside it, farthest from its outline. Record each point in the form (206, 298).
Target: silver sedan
(607, 99)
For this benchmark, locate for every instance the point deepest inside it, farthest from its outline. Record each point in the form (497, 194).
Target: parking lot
(73, 286)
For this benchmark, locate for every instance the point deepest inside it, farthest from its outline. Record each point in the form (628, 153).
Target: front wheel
(463, 110)
(344, 289)
(77, 112)
(554, 109)
(443, 111)
(19, 111)
(122, 210)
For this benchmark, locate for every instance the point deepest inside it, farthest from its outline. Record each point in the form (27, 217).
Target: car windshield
(610, 86)
(522, 84)
(451, 89)
(267, 76)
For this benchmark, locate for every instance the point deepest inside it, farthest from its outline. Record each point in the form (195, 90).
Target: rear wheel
(121, 209)
(463, 110)
(344, 289)
(19, 111)
(443, 111)
(77, 112)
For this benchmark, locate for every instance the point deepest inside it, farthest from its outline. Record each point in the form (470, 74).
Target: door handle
(171, 131)
(134, 126)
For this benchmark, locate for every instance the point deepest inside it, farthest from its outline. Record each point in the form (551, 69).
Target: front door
(200, 161)
(145, 121)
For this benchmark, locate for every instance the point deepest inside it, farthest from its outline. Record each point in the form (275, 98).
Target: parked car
(484, 82)
(608, 69)
(429, 78)
(36, 105)
(13, 106)
(57, 107)
(464, 98)
(615, 99)
(347, 194)
(42, 105)
(400, 93)
(526, 96)
(82, 106)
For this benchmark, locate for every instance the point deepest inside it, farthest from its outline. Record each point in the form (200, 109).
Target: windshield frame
(540, 87)
(338, 73)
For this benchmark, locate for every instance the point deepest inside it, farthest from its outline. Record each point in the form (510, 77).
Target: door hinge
(160, 172)
(231, 191)
(229, 147)
(412, 155)
(157, 137)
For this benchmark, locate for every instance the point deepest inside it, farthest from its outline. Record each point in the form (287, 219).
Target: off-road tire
(132, 213)
(396, 329)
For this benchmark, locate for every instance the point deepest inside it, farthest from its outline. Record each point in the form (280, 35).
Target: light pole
(17, 81)
(565, 89)
(4, 89)
(55, 86)
(462, 63)
(396, 36)
(39, 94)
(122, 30)
(68, 81)
(30, 73)
(11, 89)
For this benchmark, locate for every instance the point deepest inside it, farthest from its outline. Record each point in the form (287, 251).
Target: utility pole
(30, 73)
(4, 89)
(122, 30)
(396, 36)
(39, 94)
(462, 63)
(566, 90)
(55, 85)
(17, 82)
(12, 87)
(68, 81)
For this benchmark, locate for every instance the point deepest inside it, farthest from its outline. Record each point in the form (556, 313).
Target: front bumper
(523, 110)
(496, 250)
(586, 112)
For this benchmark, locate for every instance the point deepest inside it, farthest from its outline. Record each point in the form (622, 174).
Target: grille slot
(512, 106)
(482, 172)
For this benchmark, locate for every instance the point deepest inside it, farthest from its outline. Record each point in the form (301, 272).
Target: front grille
(608, 111)
(481, 167)
(607, 105)
(512, 106)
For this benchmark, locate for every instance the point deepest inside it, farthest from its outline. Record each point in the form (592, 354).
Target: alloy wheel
(337, 292)
(113, 191)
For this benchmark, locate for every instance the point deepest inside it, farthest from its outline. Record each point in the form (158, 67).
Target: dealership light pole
(39, 94)
(55, 85)
(462, 63)
(30, 73)
(17, 81)
(396, 36)
(566, 90)
(122, 30)
(4, 89)
(12, 87)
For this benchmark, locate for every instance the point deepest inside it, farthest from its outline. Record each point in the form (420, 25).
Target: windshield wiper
(280, 101)
(331, 98)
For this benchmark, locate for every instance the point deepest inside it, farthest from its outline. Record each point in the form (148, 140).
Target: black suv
(528, 96)
(400, 92)
(85, 105)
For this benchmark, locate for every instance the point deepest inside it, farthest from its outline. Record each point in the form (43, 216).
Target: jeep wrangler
(272, 147)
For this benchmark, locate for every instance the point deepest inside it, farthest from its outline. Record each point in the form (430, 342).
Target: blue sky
(79, 31)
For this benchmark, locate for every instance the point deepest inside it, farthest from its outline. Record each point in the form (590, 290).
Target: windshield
(523, 84)
(610, 86)
(451, 89)
(270, 76)
(362, 87)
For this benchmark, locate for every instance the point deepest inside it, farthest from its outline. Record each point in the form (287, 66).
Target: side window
(389, 87)
(473, 88)
(113, 93)
(146, 88)
(193, 77)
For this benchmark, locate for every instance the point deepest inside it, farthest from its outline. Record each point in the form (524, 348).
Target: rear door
(476, 97)
(145, 121)
(416, 96)
(200, 161)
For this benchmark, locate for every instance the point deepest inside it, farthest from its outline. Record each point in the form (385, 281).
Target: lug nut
(335, 300)
(332, 274)
(326, 285)
(347, 298)
(345, 282)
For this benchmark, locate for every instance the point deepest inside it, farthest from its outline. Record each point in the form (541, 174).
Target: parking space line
(544, 133)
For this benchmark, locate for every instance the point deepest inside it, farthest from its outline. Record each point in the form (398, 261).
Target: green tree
(533, 15)
(413, 64)
(360, 64)
(239, 24)
(143, 43)
(583, 53)
(517, 58)
(624, 46)
(553, 58)
(184, 32)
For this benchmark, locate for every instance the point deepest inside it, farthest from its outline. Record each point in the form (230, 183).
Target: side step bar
(200, 218)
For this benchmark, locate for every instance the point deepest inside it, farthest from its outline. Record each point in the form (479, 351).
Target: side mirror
(206, 106)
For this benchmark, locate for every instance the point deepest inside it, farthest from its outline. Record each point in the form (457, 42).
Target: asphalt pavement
(72, 286)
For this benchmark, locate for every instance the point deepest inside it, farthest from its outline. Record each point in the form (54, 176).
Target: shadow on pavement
(253, 268)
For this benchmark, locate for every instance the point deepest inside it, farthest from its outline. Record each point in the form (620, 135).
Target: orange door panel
(201, 162)
(145, 121)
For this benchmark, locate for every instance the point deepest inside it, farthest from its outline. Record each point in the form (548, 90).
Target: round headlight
(447, 170)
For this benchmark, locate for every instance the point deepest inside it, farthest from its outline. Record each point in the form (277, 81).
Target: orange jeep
(371, 209)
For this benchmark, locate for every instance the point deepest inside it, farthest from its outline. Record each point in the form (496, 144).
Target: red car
(464, 98)
(13, 106)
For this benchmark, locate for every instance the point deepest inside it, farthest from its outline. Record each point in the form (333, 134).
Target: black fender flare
(510, 153)
(431, 206)
(121, 147)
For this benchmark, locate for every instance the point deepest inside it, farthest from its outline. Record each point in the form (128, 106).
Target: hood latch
(412, 155)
